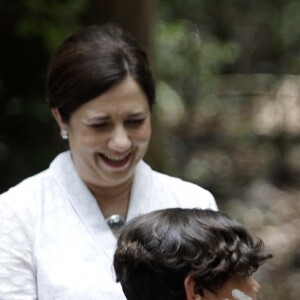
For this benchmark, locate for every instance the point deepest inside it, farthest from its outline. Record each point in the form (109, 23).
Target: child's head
(178, 254)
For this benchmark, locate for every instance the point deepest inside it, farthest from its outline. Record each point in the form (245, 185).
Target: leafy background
(227, 113)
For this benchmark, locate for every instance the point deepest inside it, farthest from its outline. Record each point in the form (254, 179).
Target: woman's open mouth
(115, 162)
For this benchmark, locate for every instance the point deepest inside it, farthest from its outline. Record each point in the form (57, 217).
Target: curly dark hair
(158, 250)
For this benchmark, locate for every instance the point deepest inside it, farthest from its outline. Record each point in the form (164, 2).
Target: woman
(58, 228)
(187, 254)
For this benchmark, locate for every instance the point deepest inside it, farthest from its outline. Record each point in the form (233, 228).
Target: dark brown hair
(90, 62)
(157, 251)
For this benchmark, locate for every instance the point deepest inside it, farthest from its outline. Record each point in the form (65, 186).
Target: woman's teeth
(116, 159)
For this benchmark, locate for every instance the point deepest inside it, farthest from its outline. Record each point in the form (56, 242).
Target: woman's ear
(190, 289)
(57, 116)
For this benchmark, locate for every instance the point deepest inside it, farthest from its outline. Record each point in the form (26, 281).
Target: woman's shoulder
(182, 191)
(180, 185)
(30, 189)
(24, 190)
(38, 181)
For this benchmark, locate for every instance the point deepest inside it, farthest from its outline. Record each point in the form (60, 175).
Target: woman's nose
(119, 141)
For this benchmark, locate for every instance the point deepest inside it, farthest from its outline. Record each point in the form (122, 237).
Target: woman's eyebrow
(140, 113)
(97, 119)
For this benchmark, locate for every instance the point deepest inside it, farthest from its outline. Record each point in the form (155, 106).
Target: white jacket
(54, 241)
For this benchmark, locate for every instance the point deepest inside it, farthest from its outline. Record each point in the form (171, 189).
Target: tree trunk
(134, 16)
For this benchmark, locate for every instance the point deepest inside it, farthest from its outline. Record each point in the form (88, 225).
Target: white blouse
(54, 241)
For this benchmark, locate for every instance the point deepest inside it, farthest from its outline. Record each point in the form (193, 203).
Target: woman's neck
(112, 200)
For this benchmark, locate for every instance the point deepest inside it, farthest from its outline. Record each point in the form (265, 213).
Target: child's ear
(190, 289)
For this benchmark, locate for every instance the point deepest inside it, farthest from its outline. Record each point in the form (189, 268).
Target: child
(187, 254)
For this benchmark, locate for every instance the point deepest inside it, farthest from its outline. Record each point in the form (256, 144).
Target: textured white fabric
(54, 241)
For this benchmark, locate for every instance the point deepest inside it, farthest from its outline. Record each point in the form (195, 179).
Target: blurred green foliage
(30, 31)
(200, 46)
(190, 61)
(49, 21)
(231, 107)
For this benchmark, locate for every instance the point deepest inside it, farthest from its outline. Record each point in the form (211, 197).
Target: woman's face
(236, 288)
(110, 134)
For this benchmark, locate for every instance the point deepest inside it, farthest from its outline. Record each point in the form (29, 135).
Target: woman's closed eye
(101, 125)
(134, 122)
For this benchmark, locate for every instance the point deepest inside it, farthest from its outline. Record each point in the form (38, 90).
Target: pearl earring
(64, 134)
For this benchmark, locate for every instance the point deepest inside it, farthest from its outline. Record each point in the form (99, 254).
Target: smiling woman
(109, 135)
(58, 228)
